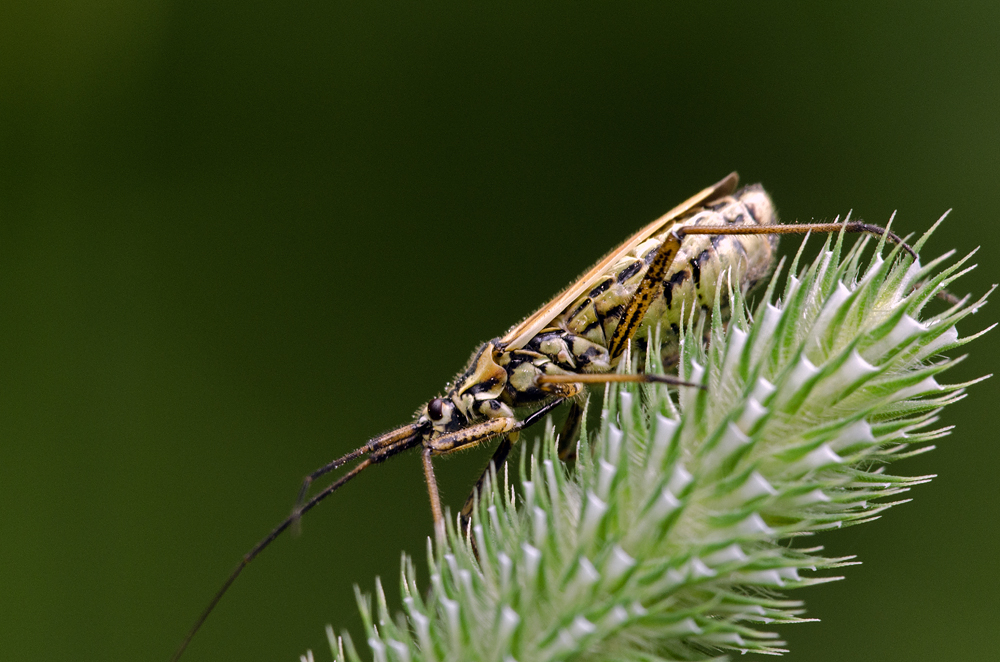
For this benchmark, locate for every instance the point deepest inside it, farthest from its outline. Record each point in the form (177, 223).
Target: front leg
(508, 427)
(449, 443)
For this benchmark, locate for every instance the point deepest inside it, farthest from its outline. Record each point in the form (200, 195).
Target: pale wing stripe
(522, 333)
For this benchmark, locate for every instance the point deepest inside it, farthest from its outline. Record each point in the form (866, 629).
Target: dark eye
(435, 409)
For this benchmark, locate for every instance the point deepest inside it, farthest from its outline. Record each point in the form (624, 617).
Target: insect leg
(855, 227)
(472, 436)
(604, 378)
(651, 281)
(432, 491)
(453, 441)
(644, 295)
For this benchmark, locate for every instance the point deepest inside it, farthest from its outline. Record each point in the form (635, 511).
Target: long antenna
(376, 456)
(259, 547)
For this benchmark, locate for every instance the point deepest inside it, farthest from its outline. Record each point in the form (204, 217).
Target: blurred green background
(238, 239)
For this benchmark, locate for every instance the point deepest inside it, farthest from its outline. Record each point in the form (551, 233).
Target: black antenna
(390, 445)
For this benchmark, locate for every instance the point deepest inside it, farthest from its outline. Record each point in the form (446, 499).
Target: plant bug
(578, 338)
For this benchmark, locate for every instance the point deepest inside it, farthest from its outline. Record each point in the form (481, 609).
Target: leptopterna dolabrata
(579, 338)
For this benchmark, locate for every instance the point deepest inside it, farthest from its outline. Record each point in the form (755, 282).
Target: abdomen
(691, 279)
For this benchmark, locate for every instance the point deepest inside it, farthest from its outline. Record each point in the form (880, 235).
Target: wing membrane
(522, 333)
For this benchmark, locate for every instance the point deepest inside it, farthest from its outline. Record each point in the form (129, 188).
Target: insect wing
(519, 336)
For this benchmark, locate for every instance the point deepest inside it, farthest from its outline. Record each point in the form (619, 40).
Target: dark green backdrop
(238, 238)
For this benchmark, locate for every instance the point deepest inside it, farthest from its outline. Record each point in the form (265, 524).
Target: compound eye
(435, 409)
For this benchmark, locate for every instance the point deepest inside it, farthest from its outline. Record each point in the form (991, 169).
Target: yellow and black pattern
(586, 338)
(691, 278)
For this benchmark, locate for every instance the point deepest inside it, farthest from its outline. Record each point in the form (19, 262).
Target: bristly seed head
(676, 525)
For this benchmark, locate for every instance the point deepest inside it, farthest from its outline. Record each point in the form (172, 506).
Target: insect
(578, 338)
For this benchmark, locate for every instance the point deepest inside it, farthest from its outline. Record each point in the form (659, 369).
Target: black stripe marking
(629, 271)
(696, 263)
(668, 287)
(651, 255)
(589, 355)
(615, 313)
(579, 309)
(600, 289)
